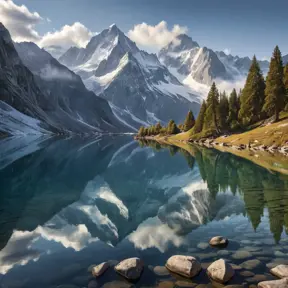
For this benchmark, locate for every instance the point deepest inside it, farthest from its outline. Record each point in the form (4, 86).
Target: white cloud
(69, 35)
(21, 24)
(155, 37)
(229, 85)
(227, 51)
(19, 21)
(266, 58)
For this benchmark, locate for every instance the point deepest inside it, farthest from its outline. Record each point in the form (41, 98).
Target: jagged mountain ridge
(203, 64)
(51, 99)
(139, 88)
(188, 58)
(66, 91)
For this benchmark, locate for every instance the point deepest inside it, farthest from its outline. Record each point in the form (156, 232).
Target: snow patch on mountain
(14, 122)
(171, 90)
(131, 80)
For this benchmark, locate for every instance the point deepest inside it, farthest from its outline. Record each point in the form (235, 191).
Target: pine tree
(211, 114)
(153, 130)
(200, 119)
(181, 127)
(252, 96)
(172, 128)
(189, 121)
(158, 128)
(223, 112)
(141, 132)
(286, 86)
(234, 106)
(275, 89)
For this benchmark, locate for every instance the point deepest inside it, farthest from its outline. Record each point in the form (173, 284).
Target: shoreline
(270, 160)
(212, 143)
(272, 138)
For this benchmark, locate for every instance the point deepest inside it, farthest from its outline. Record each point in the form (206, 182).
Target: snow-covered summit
(137, 85)
(202, 64)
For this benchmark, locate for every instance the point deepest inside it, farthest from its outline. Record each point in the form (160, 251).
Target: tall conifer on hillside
(286, 86)
(200, 119)
(223, 111)
(212, 110)
(234, 106)
(275, 89)
(141, 131)
(189, 121)
(158, 128)
(172, 128)
(252, 96)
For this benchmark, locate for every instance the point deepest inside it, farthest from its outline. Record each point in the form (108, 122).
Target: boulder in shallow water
(220, 271)
(161, 271)
(98, 270)
(186, 266)
(282, 283)
(218, 241)
(251, 264)
(280, 271)
(130, 268)
(242, 254)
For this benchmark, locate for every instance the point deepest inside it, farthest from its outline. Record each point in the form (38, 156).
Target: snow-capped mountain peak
(202, 64)
(133, 81)
(182, 43)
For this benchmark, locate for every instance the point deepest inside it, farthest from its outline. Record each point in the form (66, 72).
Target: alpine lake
(68, 204)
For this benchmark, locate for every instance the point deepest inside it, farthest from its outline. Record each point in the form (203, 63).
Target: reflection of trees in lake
(259, 187)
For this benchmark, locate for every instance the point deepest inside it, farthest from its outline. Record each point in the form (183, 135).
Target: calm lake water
(66, 204)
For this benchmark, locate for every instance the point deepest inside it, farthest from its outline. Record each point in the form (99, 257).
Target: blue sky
(244, 27)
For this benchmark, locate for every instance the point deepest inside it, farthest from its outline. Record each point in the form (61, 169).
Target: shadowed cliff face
(51, 98)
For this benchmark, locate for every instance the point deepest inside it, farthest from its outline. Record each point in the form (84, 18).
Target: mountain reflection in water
(68, 203)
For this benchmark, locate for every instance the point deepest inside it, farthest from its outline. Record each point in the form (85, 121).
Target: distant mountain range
(140, 90)
(202, 64)
(40, 94)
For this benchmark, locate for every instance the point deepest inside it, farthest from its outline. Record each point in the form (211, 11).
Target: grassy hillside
(276, 133)
(273, 134)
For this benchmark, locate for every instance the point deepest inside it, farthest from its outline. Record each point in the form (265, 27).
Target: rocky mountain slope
(139, 88)
(52, 96)
(202, 64)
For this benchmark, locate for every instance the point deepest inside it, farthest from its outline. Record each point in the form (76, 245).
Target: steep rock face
(18, 87)
(188, 58)
(207, 67)
(203, 64)
(66, 92)
(139, 88)
(51, 93)
(239, 66)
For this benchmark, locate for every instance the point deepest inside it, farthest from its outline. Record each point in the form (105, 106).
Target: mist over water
(66, 204)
